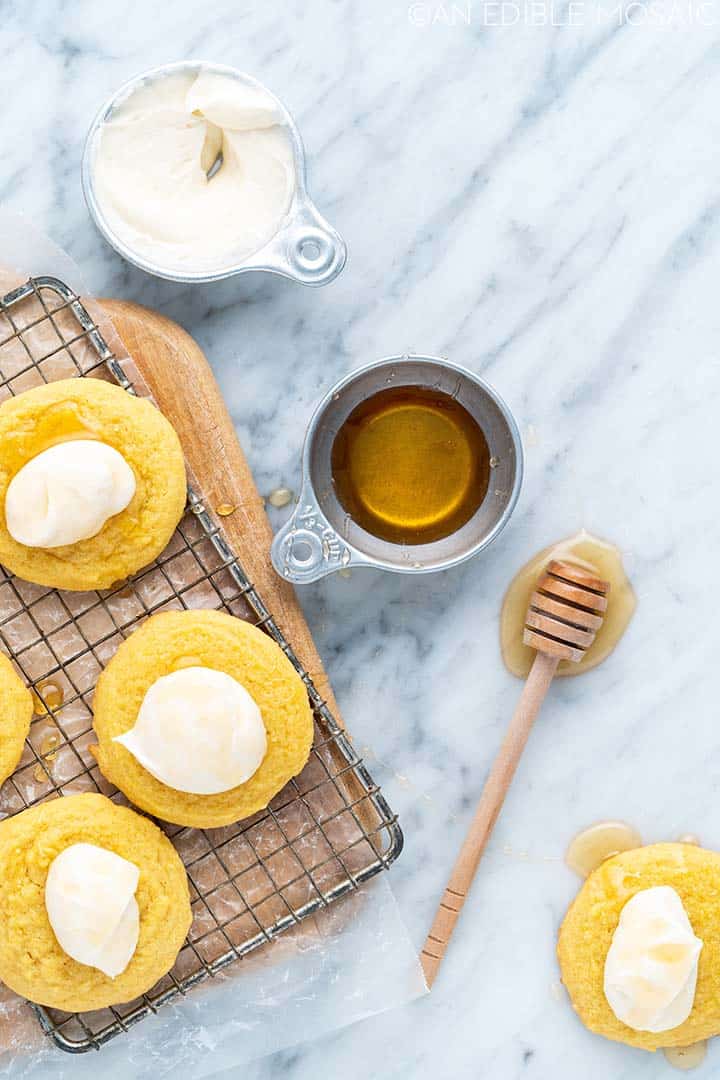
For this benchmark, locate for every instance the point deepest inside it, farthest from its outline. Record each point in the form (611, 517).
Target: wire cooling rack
(329, 830)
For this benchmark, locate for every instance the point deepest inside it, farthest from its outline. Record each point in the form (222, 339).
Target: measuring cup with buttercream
(195, 172)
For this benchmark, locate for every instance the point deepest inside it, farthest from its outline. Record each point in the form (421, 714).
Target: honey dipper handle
(491, 800)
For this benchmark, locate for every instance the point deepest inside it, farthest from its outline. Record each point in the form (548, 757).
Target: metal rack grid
(328, 831)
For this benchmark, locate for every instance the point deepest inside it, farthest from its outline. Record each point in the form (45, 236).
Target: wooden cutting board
(183, 385)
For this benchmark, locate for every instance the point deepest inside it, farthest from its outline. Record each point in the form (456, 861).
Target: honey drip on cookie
(599, 842)
(186, 661)
(62, 422)
(584, 550)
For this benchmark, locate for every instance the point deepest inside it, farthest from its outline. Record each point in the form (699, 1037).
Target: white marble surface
(538, 201)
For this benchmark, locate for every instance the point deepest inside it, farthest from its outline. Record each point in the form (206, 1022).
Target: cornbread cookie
(176, 639)
(31, 961)
(590, 923)
(86, 408)
(16, 709)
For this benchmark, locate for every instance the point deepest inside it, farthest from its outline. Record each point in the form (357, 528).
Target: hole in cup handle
(316, 252)
(307, 548)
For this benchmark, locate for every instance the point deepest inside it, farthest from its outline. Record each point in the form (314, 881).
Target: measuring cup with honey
(411, 464)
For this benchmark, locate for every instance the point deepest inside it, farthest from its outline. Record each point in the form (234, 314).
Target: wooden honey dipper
(565, 612)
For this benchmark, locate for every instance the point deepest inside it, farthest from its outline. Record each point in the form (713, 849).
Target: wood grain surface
(182, 383)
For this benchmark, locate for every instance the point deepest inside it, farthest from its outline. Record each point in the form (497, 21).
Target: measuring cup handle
(316, 253)
(307, 547)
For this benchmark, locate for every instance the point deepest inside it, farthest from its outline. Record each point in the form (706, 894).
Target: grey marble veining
(540, 202)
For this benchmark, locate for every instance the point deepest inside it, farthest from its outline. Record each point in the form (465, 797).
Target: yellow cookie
(590, 923)
(177, 639)
(31, 961)
(16, 709)
(92, 409)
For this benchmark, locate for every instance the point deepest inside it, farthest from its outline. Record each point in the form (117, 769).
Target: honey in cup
(410, 465)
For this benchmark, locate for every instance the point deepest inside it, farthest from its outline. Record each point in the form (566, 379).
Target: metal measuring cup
(306, 248)
(321, 537)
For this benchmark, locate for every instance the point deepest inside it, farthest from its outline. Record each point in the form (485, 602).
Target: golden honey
(686, 1057)
(50, 743)
(186, 662)
(410, 465)
(49, 696)
(61, 422)
(591, 847)
(586, 551)
(280, 497)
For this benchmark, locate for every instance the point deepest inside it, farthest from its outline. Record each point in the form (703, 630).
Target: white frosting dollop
(152, 159)
(66, 493)
(199, 731)
(91, 905)
(651, 966)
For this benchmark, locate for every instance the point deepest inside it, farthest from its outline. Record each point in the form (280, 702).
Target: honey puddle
(186, 662)
(50, 743)
(686, 1057)
(585, 853)
(49, 696)
(594, 845)
(280, 497)
(590, 553)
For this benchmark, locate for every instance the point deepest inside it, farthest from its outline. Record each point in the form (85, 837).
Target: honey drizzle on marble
(599, 842)
(686, 1057)
(584, 550)
(280, 497)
